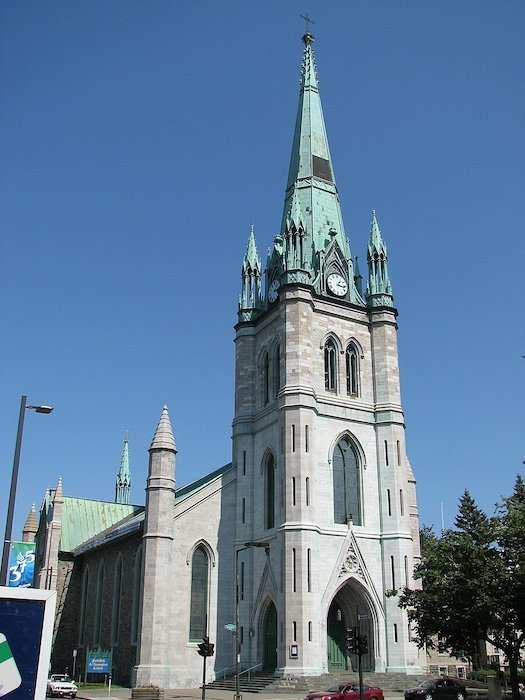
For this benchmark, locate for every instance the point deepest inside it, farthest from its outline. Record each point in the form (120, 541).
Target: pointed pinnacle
(163, 438)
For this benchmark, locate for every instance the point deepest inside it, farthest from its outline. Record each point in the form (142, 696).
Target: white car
(60, 685)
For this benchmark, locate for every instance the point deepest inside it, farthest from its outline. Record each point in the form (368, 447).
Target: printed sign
(26, 629)
(10, 677)
(98, 661)
(21, 564)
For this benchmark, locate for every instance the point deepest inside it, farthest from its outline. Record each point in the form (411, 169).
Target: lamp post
(14, 479)
(247, 545)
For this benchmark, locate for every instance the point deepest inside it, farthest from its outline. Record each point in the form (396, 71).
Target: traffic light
(351, 640)
(363, 644)
(206, 648)
(203, 647)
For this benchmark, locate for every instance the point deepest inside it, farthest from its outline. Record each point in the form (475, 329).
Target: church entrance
(349, 608)
(270, 639)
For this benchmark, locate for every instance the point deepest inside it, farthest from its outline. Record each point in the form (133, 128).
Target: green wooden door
(336, 639)
(270, 640)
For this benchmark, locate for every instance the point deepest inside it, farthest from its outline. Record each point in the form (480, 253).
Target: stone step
(257, 683)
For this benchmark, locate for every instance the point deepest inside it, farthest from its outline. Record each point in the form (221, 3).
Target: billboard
(21, 564)
(26, 629)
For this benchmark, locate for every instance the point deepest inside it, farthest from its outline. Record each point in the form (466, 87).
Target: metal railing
(230, 670)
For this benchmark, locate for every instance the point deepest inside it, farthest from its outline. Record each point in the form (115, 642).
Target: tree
(473, 582)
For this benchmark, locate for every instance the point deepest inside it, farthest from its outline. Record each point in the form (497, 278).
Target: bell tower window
(266, 379)
(352, 371)
(330, 366)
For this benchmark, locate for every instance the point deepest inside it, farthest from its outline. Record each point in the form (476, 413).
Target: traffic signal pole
(205, 649)
(360, 671)
(357, 644)
(203, 696)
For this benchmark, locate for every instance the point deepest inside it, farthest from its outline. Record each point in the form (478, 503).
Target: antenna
(442, 519)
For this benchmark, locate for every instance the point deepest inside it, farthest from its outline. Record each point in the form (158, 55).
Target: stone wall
(69, 605)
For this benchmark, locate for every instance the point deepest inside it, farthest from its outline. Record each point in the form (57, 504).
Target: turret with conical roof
(123, 482)
(30, 527)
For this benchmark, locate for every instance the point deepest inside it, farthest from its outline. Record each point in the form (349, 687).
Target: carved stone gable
(352, 563)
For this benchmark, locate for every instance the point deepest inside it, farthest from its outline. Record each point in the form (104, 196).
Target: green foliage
(473, 582)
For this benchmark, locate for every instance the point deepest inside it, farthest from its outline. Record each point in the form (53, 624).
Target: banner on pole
(21, 564)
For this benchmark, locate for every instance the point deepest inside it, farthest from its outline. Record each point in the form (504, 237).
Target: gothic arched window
(269, 494)
(199, 594)
(117, 600)
(98, 603)
(346, 484)
(330, 366)
(83, 607)
(352, 370)
(137, 594)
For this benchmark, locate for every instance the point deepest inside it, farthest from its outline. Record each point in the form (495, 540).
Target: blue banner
(21, 564)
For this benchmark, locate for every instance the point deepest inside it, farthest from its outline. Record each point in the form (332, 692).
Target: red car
(347, 691)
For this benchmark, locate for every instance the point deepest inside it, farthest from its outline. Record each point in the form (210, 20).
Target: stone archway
(350, 607)
(270, 639)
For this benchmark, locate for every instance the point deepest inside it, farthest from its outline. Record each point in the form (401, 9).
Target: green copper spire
(250, 301)
(123, 483)
(312, 230)
(379, 289)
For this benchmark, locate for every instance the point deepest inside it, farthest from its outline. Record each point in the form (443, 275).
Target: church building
(313, 526)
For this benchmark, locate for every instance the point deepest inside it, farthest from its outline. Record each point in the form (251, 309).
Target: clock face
(337, 284)
(273, 290)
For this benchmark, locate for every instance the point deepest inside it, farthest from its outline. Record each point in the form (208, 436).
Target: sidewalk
(196, 694)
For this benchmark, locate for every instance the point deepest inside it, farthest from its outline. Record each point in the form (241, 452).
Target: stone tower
(318, 434)
(155, 646)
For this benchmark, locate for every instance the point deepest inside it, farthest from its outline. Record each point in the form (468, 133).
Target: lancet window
(199, 594)
(346, 483)
(352, 370)
(269, 493)
(330, 366)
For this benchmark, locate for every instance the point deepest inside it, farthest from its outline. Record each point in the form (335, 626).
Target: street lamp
(14, 479)
(247, 545)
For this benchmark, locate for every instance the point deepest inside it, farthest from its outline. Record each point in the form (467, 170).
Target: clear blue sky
(140, 140)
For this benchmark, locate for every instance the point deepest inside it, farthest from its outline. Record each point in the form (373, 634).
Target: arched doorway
(270, 639)
(350, 608)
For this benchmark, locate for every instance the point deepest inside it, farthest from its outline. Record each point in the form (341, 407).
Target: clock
(337, 284)
(273, 290)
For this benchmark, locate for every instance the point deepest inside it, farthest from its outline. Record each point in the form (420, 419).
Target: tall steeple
(312, 236)
(123, 482)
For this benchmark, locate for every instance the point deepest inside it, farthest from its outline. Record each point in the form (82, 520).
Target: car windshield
(336, 689)
(426, 684)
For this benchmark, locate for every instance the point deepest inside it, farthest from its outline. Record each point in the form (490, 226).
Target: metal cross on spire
(308, 21)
